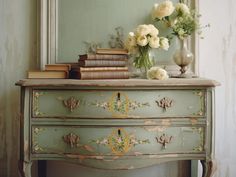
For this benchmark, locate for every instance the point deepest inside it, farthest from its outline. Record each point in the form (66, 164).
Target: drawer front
(116, 141)
(118, 103)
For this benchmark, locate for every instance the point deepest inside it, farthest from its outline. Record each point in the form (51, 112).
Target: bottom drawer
(116, 141)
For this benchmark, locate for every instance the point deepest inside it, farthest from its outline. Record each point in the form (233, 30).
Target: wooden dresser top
(194, 82)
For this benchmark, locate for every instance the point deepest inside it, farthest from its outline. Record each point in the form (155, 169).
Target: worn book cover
(112, 51)
(48, 74)
(89, 69)
(102, 57)
(102, 63)
(57, 67)
(75, 74)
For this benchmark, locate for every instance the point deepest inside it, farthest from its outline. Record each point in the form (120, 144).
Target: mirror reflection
(82, 23)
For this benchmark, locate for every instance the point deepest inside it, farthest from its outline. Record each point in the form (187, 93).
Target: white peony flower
(162, 10)
(157, 73)
(142, 30)
(182, 8)
(142, 40)
(164, 43)
(154, 42)
(153, 30)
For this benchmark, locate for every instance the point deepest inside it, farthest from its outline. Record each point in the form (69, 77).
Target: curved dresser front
(117, 124)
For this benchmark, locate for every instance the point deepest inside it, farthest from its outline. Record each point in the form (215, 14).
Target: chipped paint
(166, 122)
(88, 148)
(193, 121)
(149, 122)
(130, 167)
(163, 156)
(138, 153)
(155, 128)
(26, 147)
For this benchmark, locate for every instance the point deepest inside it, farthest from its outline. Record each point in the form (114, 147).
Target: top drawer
(118, 103)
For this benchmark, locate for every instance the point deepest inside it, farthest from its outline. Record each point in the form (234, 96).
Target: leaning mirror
(70, 27)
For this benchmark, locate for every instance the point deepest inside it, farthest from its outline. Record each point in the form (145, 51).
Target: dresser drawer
(117, 141)
(118, 103)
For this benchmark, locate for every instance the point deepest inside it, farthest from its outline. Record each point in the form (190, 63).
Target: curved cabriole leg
(25, 168)
(208, 168)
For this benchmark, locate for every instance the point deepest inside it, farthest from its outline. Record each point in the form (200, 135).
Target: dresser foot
(208, 168)
(25, 168)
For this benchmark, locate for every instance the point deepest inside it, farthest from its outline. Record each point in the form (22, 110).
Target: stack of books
(52, 71)
(105, 64)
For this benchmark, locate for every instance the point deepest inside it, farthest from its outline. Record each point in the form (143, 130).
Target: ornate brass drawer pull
(71, 139)
(164, 139)
(71, 103)
(165, 103)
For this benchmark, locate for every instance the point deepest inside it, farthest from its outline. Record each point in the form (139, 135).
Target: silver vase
(183, 57)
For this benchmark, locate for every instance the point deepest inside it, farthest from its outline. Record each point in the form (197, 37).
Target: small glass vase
(183, 57)
(144, 61)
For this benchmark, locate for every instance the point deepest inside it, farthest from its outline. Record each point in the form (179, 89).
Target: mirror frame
(48, 20)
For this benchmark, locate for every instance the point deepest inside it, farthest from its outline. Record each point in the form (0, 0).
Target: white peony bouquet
(141, 41)
(179, 17)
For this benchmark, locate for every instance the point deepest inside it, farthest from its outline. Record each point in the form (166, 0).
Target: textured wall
(17, 54)
(217, 61)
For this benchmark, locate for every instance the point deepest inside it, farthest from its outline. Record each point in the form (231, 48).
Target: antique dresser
(117, 124)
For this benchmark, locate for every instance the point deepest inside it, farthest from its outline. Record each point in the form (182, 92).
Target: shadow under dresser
(117, 124)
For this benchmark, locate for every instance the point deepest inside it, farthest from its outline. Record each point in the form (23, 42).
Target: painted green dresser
(117, 124)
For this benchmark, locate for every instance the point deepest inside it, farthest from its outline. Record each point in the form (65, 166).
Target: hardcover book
(102, 63)
(112, 51)
(102, 57)
(75, 74)
(48, 74)
(57, 67)
(89, 69)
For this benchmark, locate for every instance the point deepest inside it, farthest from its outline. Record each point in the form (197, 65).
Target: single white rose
(142, 40)
(157, 73)
(182, 8)
(142, 30)
(153, 30)
(162, 10)
(154, 42)
(164, 43)
(131, 41)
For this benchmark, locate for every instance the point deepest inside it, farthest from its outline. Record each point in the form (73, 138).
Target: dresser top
(194, 82)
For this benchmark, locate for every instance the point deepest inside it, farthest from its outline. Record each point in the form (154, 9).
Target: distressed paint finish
(111, 143)
(217, 60)
(118, 103)
(106, 141)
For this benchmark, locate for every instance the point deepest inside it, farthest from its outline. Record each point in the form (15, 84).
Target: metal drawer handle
(71, 103)
(71, 139)
(164, 139)
(165, 103)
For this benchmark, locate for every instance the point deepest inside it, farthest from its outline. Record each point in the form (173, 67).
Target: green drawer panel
(118, 104)
(117, 141)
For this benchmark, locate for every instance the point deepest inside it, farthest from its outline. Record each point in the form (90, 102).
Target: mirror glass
(84, 22)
